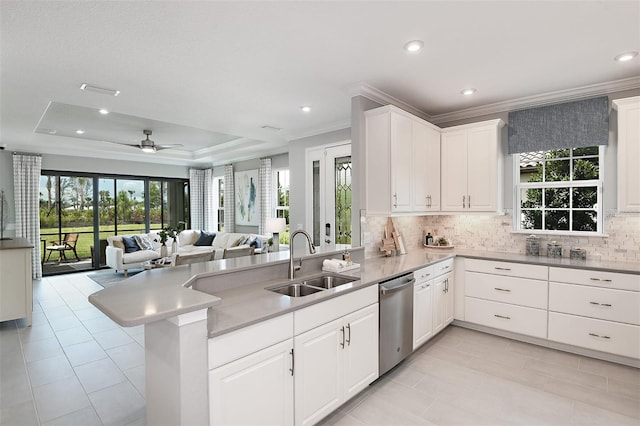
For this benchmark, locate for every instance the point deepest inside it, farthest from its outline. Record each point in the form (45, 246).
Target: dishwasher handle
(398, 287)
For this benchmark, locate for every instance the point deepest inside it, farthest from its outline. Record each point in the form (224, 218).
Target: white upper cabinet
(402, 162)
(628, 153)
(471, 173)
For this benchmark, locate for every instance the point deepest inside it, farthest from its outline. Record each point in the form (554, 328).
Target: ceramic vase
(163, 250)
(174, 246)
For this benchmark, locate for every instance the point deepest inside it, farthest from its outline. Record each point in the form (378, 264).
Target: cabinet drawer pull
(293, 361)
(426, 285)
(464, 203)
(447, 267)
(599, 336)
(506, 290)
(469, 201)
(343, 337)
(502, 269)
(501, 316)
(598, 279)
(349, 338)
(608, 305)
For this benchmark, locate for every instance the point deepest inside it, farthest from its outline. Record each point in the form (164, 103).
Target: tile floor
(74, 366)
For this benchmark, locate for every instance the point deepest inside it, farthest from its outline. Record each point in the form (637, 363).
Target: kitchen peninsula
(199, 318)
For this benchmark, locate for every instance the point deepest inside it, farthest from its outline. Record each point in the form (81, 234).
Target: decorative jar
(533, 245)
(554, 249)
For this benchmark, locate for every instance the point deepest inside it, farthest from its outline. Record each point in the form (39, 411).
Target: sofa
(126, 252)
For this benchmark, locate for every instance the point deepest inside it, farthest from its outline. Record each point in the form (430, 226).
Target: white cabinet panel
(425, 167)
(518, 291)
(16, 284)
(442, 301)
(605, 336)
(628, 153)
(595, 278)
(594, 302)
(361, 352)
(511, 269)
(422, 312)
(318, 372)
(504, 316)
(401, 161)
(256, 389)
(471, 167)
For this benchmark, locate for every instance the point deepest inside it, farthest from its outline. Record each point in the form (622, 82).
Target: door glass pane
(343, 200)
(157, 197)
(49, 209)
(130, 214)
(316, 203)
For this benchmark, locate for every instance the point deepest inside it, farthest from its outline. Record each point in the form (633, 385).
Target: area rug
(109, 277)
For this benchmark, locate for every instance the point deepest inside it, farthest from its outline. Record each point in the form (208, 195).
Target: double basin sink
(311, 285)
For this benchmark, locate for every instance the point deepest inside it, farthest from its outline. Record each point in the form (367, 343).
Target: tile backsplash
(494, 233)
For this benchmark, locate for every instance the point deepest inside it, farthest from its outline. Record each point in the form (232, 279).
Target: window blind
(567, 125)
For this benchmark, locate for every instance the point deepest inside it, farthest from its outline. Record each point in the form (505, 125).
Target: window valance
(568, 125)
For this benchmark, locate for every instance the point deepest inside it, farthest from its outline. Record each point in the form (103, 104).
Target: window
(560, 190)
(281, 202)
(219, 185)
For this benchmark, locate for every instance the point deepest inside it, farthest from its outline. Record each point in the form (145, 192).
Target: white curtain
(265, 193)
(26, 186)
(229, 200)
(201, 199)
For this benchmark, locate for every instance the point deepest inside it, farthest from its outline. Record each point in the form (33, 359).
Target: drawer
(605, 336)
(442, 267)
(595, 302)
(499, 288)
(321, 313)
(523, 270)
(595, 278)
(237, 344)
(424, 274)
(518, 319)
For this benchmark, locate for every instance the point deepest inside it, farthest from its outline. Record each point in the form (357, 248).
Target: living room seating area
(126, 252)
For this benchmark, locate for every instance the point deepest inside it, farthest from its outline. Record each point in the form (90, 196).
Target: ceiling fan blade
(175, 145)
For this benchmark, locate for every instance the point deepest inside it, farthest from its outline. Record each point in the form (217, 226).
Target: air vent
(89, 88)
(274, 128)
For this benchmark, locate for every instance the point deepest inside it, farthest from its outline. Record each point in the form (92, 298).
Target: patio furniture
(68, 243)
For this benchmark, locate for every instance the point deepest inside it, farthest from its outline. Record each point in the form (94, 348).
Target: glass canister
(533, 246)
(554, 249)
(577, 254)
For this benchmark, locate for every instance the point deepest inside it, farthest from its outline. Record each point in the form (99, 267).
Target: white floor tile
(96, 325)
(98, 375)
(23, 414)
(127, 356)
(112, 338)
(85, 352)
(85, 417)
(118, 404)
(73, 336)
(41, 349)
(49, 370)
(60, 398)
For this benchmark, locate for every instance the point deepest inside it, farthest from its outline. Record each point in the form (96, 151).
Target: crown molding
(540, 100)
(370, 92)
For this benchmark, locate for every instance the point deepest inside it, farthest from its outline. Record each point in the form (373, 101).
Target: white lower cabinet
(333, 362)
(504, 316)
(422, 312)
(442, 302)
(255, 389)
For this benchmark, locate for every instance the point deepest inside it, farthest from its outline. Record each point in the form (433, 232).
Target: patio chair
(68, 243)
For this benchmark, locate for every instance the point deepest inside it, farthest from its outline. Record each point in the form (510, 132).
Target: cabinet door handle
(598, 279)
(599, 336)
(426, 285)
(447, 267)
(293, 361)
(395, 200)
(469, 200)
(506, 290)
(349, 338)
(464, 205)
(343, 337)
(501, 316)
(502, 269)
(608, 305)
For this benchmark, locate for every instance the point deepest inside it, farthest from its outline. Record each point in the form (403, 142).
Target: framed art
(247, 198)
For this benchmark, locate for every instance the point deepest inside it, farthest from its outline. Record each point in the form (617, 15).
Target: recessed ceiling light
(103, 111)
(468, 92)
(626, 56)
(305, 108)
(414, 46)
(89, 88)
(79, 131)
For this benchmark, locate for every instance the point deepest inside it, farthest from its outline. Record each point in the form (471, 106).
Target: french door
(328, 203)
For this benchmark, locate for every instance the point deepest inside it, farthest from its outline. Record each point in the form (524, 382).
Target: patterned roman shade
(26, 187)
(201, 199)
(266, 210)
(568, 125)
(229, 200)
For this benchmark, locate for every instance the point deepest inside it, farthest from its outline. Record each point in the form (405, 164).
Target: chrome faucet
(312, 250)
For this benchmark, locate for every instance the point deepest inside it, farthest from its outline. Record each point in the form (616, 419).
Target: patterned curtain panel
(229, 200)
(196, 198)
(265, 193)
(201, 199)
(209, 211)
(567, 125)
(26, 186)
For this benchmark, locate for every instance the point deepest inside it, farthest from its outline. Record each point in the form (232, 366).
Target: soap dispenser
(428, 239)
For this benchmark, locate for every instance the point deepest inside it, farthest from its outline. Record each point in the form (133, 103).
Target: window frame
(276, 206)
(219, 197)
(570, 184)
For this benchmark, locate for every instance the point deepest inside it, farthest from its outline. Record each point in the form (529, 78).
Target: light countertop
(162, 293)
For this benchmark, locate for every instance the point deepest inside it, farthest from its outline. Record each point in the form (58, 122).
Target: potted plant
(164, 235)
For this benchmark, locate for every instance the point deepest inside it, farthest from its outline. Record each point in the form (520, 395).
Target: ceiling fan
(149, 146)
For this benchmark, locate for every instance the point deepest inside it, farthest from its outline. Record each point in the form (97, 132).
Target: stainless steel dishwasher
(396, 321)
